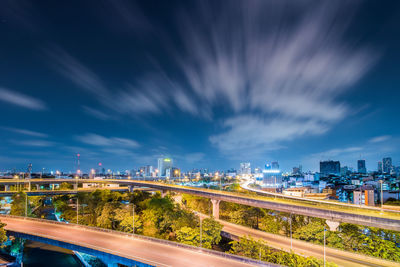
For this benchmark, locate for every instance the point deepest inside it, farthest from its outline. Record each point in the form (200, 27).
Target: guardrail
(152, 239)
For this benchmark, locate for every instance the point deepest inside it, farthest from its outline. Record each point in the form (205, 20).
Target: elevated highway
(121, 247)
(333, 213)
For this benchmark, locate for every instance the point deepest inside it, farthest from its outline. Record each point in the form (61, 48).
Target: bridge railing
(152, 239)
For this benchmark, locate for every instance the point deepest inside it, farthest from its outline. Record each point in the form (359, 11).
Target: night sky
(208, 83)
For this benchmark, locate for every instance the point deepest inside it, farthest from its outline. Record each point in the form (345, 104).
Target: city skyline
(135, 83)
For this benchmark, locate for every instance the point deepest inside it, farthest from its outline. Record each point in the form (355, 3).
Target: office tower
(272, 176)
(380, 167)
(245, 168)
(275, 165)
(361, 166)
(329, 167)
(387, 165)
(163, 165)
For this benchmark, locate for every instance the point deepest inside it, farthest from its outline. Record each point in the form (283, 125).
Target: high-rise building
(275, 165)
(272, 176)
(245, 168)
(329, 167)
(361, 166)
(380, 167)
(387, 165)
(163, 165)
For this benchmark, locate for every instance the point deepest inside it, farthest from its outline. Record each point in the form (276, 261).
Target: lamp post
(291, 240)
(201, 230)
(133, 218)
(26, 204)
(324, 246)
(77, 210)
(381, 194)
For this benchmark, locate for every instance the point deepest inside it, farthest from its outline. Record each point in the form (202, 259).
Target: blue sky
(209, 83)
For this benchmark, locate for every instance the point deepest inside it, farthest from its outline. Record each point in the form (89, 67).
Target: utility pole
(324, 247)
(382, 194)
(77, 210)
(201, 230)
(26, 204)
(133, 218)
(291, 240)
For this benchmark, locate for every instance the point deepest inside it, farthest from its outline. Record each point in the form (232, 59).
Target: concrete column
(215, 210)
(7, 187)
(332, 225)
(164, 193)
(52, 186)
(29, 186)
(178, 199)
(75, 187)
(131, 188)
(37, 187)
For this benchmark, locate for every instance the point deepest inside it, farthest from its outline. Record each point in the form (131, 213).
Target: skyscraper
(329, 167)
(387, 165)
(361, 166)
(380, 167)
(163, 165)
(245, 168)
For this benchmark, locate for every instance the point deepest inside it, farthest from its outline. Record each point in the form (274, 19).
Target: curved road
(146, 251)
(341, 258)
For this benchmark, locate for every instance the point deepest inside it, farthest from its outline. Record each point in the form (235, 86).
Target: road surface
(341, 258)
(146, 251)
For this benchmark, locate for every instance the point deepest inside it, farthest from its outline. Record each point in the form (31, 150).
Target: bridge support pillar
(37, 187)
(6, 188)
(332, 225)
(29, 186)
(131, 188)
(75, 186)
(178, 199)
(215, 210)
(164, 193)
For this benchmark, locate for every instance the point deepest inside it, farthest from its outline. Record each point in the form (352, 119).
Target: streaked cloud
(26, 132)
(22, 100)
(101, 141)
(97, 113)
(379, 139)
(33, 143)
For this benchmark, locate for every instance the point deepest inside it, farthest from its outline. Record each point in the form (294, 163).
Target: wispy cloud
(97, 113)
(379, 139)
(33, 143)
(21, 100)
(253, 135)
(254, 59)
(113, 142)
(26, 132)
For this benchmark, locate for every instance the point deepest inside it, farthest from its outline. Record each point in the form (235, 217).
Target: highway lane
(146, 251)
(342, 258)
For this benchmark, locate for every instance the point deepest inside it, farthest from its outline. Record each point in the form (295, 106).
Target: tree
(189, 236)
(3, 235)
(211, 232)
(65, 186)
(19, 203)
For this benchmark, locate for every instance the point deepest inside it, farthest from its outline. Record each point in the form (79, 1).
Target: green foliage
(210, 235)
(259, 250)
(65, 186)
(196, 203)
(3, 235)
(19, 203)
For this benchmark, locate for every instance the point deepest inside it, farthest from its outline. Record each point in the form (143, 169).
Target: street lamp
(133, 218)
(291, 240)
(26, 204)
(77, 210)
(201, 230)
(324, 246)
(381, 181)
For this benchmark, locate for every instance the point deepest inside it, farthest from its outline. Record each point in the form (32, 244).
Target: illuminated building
(387, 165)
(163, 165)
(329, 167)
